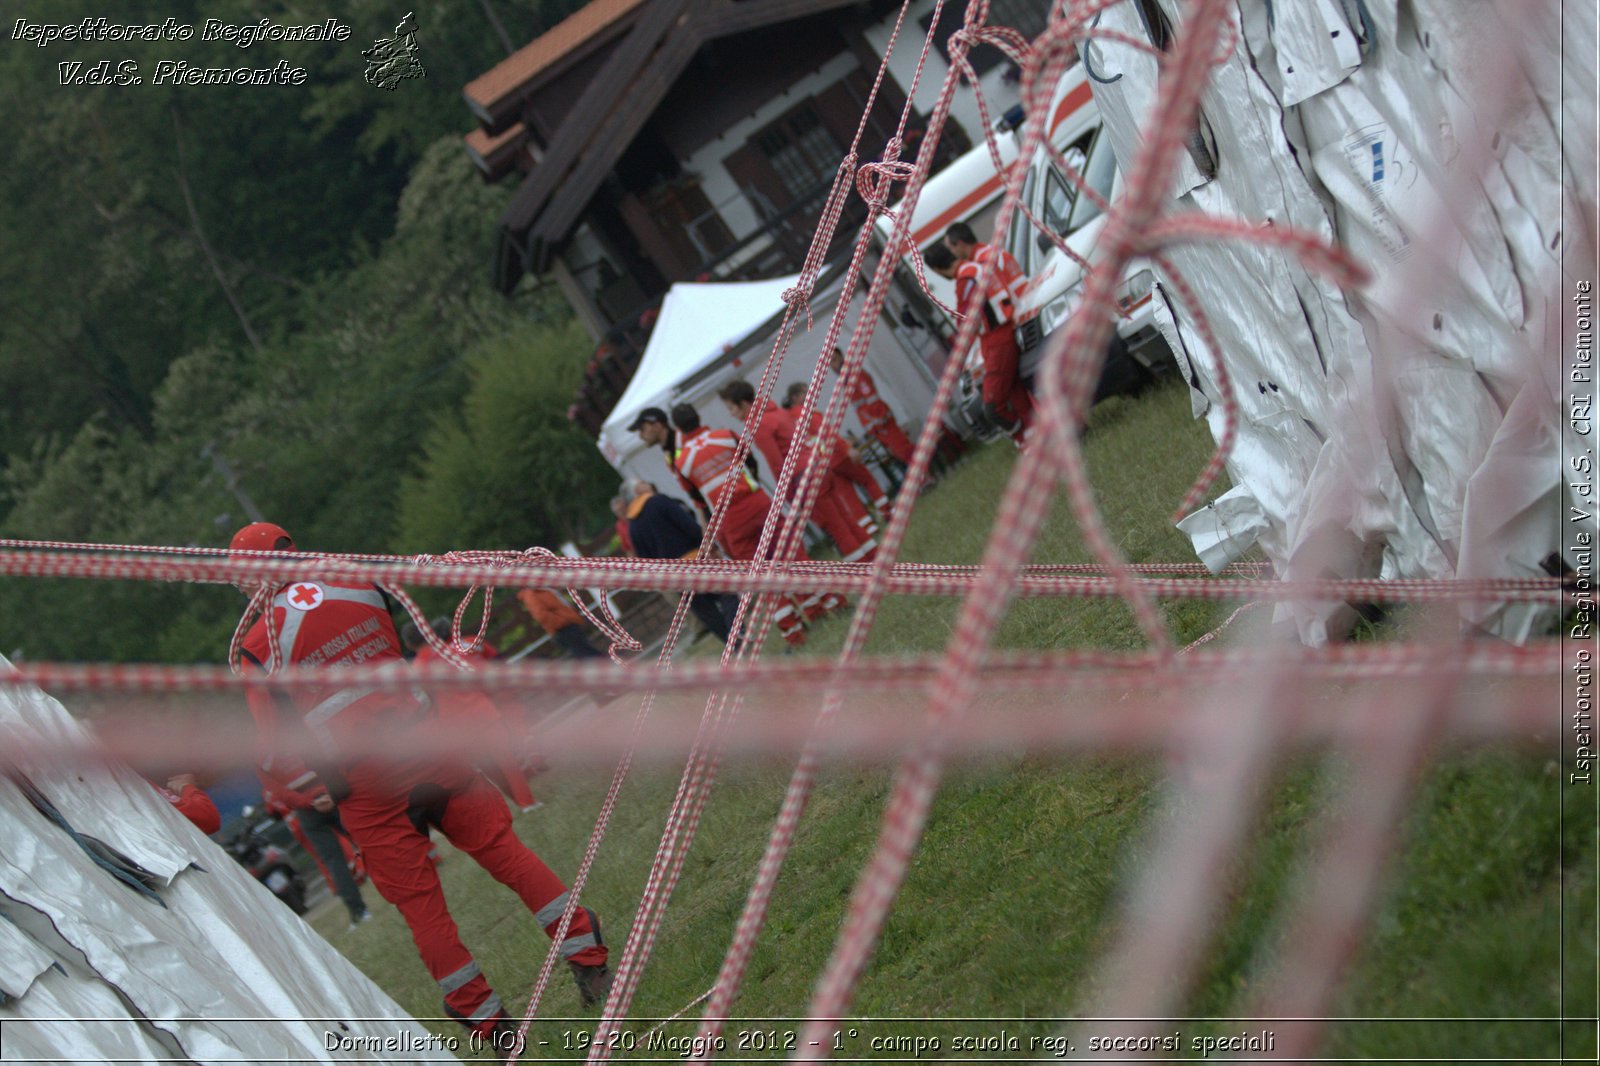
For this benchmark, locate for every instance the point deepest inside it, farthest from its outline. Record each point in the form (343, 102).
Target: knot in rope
(799, 295)
(875, 180)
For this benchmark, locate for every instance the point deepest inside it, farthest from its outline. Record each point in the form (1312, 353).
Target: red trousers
(892, 437)
(856, 473)
(740, 536)
(1002, 387)
(474, 818)
(840, 513)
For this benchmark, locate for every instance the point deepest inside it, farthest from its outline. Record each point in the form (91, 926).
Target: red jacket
(774, 434)
(327, 623)
(870, 407)
(1000, 308)
(196, 806)
(838, 451)
(705, 459)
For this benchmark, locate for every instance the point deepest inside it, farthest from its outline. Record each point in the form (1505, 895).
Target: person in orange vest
(389, 805)
(557, 618)
(477, 710)
(705, 460)
(876, 417)
(1003, 394)
(837, 510)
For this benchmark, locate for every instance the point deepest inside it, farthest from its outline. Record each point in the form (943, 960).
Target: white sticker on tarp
(1383, 171)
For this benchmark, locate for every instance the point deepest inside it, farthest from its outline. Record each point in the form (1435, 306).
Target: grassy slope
(1015, 886)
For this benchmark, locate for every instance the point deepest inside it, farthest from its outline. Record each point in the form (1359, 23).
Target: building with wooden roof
(666, 140)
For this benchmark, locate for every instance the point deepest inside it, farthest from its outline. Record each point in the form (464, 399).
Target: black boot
(593, 981)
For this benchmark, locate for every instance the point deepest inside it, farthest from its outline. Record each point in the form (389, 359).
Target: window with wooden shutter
(801, 150)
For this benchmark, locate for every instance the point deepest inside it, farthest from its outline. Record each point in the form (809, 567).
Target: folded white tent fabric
(1376, 423)
(204, 966)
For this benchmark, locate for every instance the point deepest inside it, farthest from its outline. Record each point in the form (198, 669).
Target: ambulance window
(1101, 172)
(1057, 201)
(1059, 193)
(1017, 242)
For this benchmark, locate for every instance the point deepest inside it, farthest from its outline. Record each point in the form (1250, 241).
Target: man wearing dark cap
(653, 428)
(706, 460)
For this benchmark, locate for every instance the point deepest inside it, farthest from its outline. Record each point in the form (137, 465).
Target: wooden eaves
(609, 115)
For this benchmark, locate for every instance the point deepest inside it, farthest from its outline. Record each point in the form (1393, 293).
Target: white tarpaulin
(202, 964)
(1374, 422)
(697, 324)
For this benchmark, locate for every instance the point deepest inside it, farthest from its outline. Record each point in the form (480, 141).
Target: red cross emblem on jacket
(705, 459)
(870, 407)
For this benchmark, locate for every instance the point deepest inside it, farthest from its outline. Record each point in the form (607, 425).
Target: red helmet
(261, 537)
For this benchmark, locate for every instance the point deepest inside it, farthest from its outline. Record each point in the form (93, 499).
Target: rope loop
(618, 639)
(875, 181)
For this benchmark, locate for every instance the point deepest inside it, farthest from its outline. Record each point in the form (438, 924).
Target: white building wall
(997, 93)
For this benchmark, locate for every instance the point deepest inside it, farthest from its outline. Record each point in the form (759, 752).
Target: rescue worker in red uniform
(653, 428)
(850, 468)
(192, 802)
(838, 509)
(876, 418)
(844, 472)
(475, 711)
(705, 460)
(312, 817)
(389, 805)
(1003, 393)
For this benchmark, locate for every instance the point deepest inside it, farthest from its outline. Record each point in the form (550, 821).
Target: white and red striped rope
(1183, 704)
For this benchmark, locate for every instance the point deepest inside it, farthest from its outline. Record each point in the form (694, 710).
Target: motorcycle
(268, 863)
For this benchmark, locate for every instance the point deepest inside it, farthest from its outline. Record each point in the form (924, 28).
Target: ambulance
(969, 190)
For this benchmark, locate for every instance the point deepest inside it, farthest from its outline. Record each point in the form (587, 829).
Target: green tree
(239, 275)
(509, 471)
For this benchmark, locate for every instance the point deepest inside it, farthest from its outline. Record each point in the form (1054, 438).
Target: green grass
(1015, 891)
